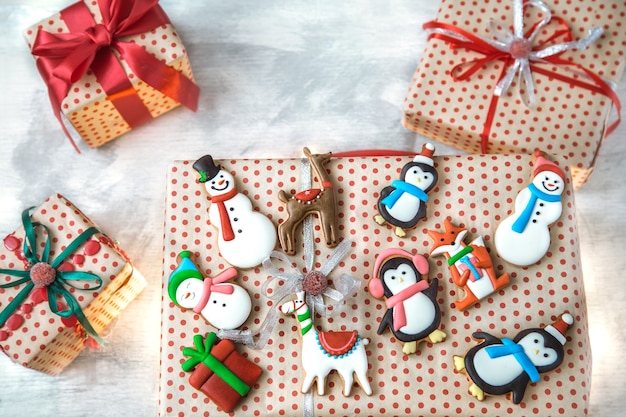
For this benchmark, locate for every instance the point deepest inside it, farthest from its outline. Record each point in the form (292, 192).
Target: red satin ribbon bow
(459, 38)
(65, 57)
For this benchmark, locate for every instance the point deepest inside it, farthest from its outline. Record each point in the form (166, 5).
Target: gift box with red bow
(62, 282)
(111, 66)
(509, 76)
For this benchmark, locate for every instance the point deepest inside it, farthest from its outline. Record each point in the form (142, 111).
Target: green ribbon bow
(58, 287)
(202, 354)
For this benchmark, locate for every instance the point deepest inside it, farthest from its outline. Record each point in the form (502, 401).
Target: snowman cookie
(245, 237)
(501, 366)
(403, 203)
(413, 314)
(224, 305)
(523, 238)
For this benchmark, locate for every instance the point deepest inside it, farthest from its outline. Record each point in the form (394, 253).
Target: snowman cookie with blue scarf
(403, 203)
(523, 238)
(501, 366)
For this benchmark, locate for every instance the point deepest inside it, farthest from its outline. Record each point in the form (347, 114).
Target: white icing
(255, 234)
(223, 311)
(531, 245)
(407, 206)
(317, 364)
(504, 369)
(420, 310)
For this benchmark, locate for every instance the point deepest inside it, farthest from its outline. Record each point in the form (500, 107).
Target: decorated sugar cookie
(318, 201)
(403, 204)
(413, 314)
(499, 366)
(323, 352)
(470, 265)
(523, 238)
(245, 237)
(224, 305)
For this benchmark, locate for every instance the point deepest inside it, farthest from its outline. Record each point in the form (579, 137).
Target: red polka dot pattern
(474, 191)
(565, 120)
(43, 340)
(87, 107)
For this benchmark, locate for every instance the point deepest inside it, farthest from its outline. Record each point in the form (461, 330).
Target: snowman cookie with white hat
(245, 237)
(523, 238)
(403, 203)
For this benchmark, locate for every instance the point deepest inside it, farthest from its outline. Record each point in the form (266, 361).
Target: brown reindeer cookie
(319, 201)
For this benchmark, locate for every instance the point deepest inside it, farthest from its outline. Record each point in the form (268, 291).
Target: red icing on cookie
(11, 243)
(338, 343)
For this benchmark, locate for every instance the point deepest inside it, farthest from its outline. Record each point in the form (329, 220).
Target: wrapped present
(511, 76)
(473, 192)
(219, 371)
(111, 66)
(62, 282)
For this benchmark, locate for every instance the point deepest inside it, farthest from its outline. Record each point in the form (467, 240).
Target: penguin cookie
(224, 305)
(523, 238)
(469, 264)
(413, 314)
(499, 366)
(403, 203)
(245, 237)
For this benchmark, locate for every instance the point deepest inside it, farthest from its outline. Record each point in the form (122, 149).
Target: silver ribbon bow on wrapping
(519, 47)
(283, 282)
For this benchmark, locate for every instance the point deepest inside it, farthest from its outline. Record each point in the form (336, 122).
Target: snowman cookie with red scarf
(413, 314)
(245, 237)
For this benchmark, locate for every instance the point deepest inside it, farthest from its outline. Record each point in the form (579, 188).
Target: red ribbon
(474, 43)
(65, 57)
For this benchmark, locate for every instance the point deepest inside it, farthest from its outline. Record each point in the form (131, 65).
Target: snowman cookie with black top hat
(403, 203)
(245, 237)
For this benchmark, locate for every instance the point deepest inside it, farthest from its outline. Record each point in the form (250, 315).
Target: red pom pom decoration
(520, 48)
(314, 283)
(42, 274)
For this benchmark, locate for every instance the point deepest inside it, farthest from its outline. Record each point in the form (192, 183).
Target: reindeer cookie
(319, 201)
(499, 366)
(224, 305)
(403, 203)
(323, 352)
(470, 265)
(413, 313)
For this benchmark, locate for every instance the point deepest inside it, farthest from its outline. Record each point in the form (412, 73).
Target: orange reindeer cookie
(470, 265)
(319, 201)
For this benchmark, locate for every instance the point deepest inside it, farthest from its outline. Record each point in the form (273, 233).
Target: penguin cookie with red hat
(499, 366)
(413, 314)
(403, 203)
(523, 238)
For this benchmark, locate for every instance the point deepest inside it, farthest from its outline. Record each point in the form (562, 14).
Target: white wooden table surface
(276, 75)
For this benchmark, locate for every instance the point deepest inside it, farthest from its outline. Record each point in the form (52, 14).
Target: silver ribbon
(506, 41)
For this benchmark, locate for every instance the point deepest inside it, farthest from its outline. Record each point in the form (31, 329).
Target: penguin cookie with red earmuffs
(403, 203)
(245, 237)
(413, 314)
(499, 366)
(523, 238)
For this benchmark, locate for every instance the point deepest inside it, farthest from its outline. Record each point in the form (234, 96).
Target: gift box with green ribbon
(219, 371)
(62, 282)
(111, 65)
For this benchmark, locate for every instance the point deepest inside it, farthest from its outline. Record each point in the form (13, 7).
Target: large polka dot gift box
(62, 282)
(496, 77)
(472, 192)
(111, 66)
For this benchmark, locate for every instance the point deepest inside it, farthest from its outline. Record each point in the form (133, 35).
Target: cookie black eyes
(536, 340)
(545, 355)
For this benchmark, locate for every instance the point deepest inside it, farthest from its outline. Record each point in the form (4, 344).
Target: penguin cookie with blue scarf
(501, 366)
(403, 203)
(523, 238)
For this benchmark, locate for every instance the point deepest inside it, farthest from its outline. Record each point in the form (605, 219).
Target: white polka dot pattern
(566, 120)
(473, 191)
(86, 105)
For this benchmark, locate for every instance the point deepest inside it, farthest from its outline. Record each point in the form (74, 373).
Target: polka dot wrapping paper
(34, 336)
(477, 192)
(570, 114)
(89, 108)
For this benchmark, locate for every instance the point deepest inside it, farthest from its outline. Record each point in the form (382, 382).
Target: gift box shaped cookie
(62, 282)
(473, 192)
(111, 66)
(520, 77)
